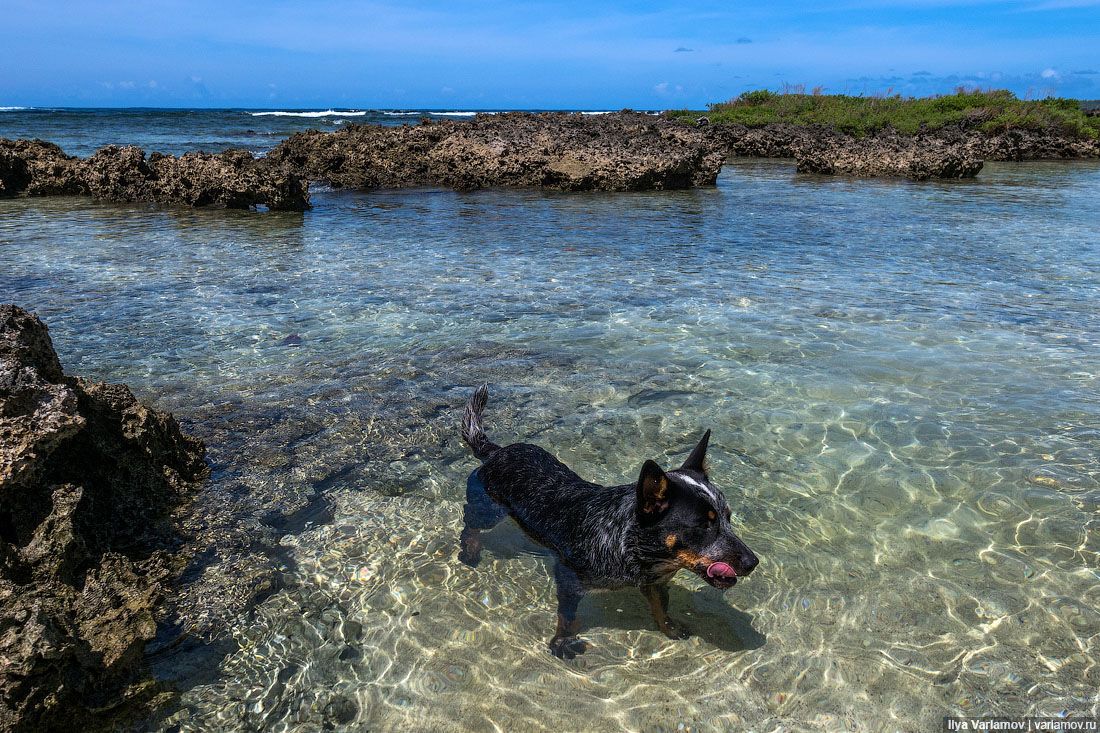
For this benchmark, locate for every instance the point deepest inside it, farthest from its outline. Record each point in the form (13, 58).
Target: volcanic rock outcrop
(949, 152)
(1023, 144)
(233, 179)
(89, 478)
(827, 151)
(624, 151)
(779, 140)
(888, 156)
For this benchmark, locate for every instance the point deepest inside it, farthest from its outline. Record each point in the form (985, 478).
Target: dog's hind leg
(657, 595)
(565, 644)
(479, 513)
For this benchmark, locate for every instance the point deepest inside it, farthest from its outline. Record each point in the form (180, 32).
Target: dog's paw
(469, 557)
(567, 647)
(675, 630)
(469, 551)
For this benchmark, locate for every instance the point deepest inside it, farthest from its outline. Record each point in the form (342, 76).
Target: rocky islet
(624, 151)
(233, 179)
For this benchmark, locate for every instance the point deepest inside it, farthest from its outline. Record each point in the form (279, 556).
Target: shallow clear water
(901, 379)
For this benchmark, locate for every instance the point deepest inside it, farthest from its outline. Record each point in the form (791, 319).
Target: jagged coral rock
(88, 479)
(889, 156)
(625, 151)
(232, 179)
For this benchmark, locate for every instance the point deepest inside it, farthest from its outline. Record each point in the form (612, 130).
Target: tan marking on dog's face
(670, 541)
(711, 516)
(690, 560)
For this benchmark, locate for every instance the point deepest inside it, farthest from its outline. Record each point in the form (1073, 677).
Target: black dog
(636, 534)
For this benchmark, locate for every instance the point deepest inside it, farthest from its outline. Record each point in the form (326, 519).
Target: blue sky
(567, 54)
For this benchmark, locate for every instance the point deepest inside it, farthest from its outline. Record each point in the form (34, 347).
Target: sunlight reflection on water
(901, 380)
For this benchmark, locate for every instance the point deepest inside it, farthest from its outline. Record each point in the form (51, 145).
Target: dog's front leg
(566, 644)
(657, 595)
(479, 513)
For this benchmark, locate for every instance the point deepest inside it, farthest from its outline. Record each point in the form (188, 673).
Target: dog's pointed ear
(697, 461)
(652, 489)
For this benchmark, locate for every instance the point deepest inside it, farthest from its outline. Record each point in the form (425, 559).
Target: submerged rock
(89, 478)
(624, 151)
(233, 179)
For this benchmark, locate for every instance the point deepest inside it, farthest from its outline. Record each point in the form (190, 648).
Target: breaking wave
(325, 113)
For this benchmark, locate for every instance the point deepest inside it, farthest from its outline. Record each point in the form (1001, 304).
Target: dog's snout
(749, 562)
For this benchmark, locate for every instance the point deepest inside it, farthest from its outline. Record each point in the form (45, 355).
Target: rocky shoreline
(624, 151)
(233, 179)
(888, 156)
(782, 140)
(620, 151)
(952, 152)
(825, 151)
(89, 481)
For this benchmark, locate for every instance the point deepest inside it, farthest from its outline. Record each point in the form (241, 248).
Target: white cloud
(1049, 74)
(665, 88)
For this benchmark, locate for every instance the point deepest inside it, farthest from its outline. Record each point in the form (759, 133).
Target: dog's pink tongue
(721, 570)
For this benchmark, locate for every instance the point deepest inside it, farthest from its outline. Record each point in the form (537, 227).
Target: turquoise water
(901, 379)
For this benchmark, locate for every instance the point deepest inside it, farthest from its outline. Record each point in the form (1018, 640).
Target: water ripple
(900, 379)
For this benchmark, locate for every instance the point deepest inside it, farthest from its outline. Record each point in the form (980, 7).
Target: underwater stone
(340, 711)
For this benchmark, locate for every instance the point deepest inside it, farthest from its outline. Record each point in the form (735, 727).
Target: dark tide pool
(901, 379)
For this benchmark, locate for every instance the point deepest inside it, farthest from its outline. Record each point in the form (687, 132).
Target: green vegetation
(990, 111)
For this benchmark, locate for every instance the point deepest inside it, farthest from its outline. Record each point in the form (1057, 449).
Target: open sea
(902, 380)
(80, 131)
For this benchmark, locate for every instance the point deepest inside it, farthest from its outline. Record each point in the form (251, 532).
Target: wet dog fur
(637, 534)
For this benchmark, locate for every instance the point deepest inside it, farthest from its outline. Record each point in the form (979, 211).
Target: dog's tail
(472, 431)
